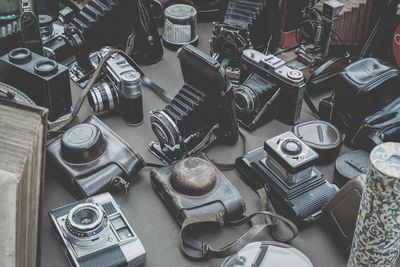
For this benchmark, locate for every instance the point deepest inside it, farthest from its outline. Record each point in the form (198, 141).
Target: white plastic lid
(268, 254)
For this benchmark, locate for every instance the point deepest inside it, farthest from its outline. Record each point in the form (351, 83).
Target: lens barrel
(103, 97)
(246, 100)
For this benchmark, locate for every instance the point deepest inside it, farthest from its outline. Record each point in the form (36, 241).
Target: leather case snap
(349, 166)
(342, 210)
(322, 136)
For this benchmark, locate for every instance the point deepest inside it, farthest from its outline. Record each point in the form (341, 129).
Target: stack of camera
(246, 24)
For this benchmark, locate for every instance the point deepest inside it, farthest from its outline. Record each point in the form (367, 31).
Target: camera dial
(86, 223)
(246, 100)
(291, 147)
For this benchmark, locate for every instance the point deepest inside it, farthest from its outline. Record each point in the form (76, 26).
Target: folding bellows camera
(285, 167)
(201, 113)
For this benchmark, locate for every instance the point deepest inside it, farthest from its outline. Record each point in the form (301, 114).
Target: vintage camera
(44, 80)
(285, 167)
(201, 113)
(269, 89)
(246, 24)
(195, 186)
(90, 158)
(94, 232)
(119, 89)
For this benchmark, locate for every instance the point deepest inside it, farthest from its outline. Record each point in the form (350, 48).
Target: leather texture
(342, 210)
(350, 165)
(119, 159)
(321, 136)
(364, 87)
(223, 197)
(111, 258)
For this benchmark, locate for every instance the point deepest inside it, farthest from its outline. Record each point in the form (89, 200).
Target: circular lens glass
(245, 100)
(160, 133)
(292, 147)
(85, 216)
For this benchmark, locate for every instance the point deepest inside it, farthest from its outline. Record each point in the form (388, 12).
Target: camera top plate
(289, 151)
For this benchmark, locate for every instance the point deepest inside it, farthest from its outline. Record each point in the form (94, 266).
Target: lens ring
(165, 129)
(246, 100)
(292, 147)
(45, 66)
(20, 55)
(82, 212)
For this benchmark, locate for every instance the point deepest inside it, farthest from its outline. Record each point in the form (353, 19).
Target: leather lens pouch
(342, 210)
(350, 165)
(322, 136)
(91, 158)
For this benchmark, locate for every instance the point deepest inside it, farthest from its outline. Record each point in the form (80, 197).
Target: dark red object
(396, 45)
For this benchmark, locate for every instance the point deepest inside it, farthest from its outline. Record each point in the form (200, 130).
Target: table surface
(146, 213)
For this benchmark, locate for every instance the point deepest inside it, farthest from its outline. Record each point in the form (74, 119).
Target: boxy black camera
(285, 166)
(42, 79)
(201, 113)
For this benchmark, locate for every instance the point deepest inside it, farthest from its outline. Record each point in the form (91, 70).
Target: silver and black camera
(94, 232)
(285, 165)
(268, 89)
(118, 90)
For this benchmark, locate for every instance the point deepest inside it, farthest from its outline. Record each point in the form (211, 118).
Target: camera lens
(46, 27)
(246, 100)
(164, 128)
(86, 223)
(292, 147)
(103, 97)
(45, 66)
(20, 55)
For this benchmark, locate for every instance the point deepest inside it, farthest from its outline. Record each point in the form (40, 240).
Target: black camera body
(200, 113)
(42, 79)
(195, 186)
(281, 95)
(285, 167)
(90, 158)
(245, 24)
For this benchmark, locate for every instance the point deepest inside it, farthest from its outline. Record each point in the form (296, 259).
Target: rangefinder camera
(94, 232)
(268, 89)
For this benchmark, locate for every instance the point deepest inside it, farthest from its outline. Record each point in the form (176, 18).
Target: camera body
(195, 186)
(202, 112)
(94, 231)
(285, 167)
(245, 24)
(118, 90)
(90, 158)
(44, 80)
(280, 97)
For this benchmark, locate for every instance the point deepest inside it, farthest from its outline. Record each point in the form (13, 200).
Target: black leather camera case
(188, 188)
(90, 156)
(342, 210)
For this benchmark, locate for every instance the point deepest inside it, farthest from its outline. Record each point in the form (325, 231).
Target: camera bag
(359, 90)
(91, 159)
(342, 210)
(197, 194)
(350, 165)
(321, 136)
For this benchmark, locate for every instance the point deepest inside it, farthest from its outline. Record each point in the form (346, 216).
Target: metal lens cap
(295, 75)
(20, 55)
(193, 176)
(292, 147)
(45, 66)
(82, 143)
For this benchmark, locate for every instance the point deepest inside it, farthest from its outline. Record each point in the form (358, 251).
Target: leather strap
(319, 71)
(197, 250)
(63, 122)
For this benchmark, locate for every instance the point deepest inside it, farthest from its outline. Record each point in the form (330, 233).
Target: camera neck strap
(198, 250)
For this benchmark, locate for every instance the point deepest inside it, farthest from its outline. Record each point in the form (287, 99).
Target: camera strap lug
(120, 184)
